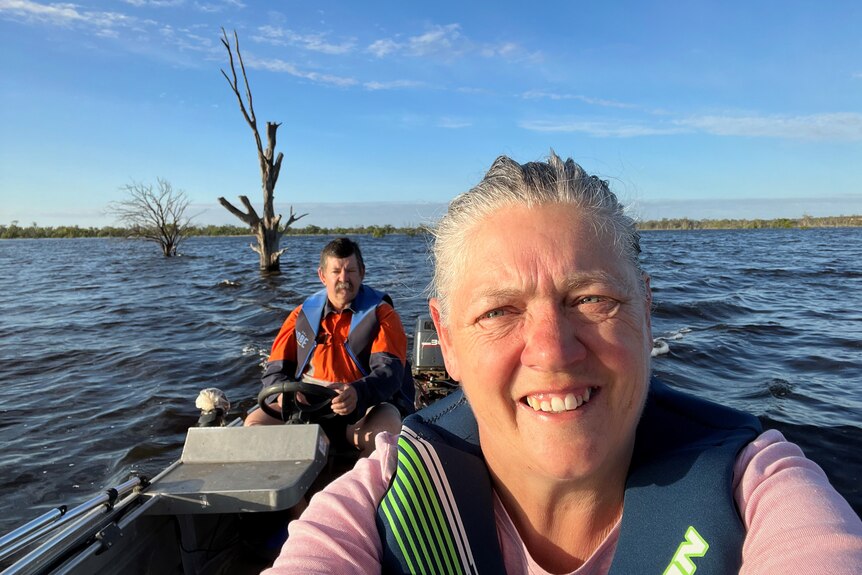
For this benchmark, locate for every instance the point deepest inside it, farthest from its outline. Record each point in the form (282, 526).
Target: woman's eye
(492, 314)
(596, 306)
(591, 299)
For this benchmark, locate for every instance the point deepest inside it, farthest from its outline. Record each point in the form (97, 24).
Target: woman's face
(549, 335)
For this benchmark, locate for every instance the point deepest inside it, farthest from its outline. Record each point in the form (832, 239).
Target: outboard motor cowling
(213, 405)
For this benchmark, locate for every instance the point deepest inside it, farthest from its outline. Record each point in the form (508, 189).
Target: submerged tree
(157, 215)
(267, 229)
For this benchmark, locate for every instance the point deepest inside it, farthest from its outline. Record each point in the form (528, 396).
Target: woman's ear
(443, 336)
(648, 302)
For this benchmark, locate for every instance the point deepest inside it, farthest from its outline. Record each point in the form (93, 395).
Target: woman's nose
(551, 341)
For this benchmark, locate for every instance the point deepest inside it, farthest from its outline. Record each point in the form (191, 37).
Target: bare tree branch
(266, 229)
(252, 214)
(157, 215)
(292, 218)
(234, 84)
(241, 215)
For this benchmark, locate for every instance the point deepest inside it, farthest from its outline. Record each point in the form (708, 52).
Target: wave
(106, 344)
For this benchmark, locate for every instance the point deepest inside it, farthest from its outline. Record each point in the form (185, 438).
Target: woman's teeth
(559, 404)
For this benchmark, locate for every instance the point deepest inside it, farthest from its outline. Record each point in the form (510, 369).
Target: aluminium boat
(223, 507)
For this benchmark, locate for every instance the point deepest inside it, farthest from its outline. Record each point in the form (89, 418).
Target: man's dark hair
(341, 248)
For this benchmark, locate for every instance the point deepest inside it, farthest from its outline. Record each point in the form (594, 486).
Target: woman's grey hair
(509, 183)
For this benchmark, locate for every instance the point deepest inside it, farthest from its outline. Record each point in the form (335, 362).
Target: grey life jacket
(679, 515)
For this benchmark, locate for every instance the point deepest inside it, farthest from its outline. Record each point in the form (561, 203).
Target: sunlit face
(342, 278)
(549, 335)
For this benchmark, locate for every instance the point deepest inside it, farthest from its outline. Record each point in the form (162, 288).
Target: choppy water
(104, 344)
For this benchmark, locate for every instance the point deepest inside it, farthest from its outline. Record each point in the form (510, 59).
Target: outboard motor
(429, 371)
(213, 405)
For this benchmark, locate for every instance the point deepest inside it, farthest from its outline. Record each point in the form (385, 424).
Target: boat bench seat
(238, 469)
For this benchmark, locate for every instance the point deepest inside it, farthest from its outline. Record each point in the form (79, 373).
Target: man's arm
(281, 365)
(388, 357)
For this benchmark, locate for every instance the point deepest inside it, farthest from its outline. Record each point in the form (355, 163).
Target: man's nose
(551, 340)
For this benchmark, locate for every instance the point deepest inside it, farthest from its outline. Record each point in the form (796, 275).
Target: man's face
(549, 335)
(342, 278)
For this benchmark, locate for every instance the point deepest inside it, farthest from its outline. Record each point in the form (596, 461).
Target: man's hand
(345, 403)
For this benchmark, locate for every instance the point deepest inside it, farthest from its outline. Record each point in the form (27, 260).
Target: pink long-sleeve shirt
(795, 520)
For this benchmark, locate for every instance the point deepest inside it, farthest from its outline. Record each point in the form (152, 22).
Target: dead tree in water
(266, 229)
(154, 215)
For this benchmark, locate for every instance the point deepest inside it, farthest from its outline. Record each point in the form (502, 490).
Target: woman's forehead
(521, 231)
(519, 244)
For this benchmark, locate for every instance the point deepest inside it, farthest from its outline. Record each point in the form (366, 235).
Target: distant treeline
(727, 224)
(13, 230)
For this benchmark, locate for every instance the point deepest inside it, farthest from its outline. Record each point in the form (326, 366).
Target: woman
(562, 456)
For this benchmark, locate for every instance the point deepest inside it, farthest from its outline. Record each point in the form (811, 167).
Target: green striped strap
(421, 512)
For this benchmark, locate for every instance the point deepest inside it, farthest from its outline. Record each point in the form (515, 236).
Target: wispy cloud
(276, 65)
(314, 42)
(538, 94)
(392, 85)
(506, 49)
(820, 127)
(453, 123)
(441, 41)
(607, 129)
(103, 23)
(446, 40)
(154, 3)
(472, 90)
(845, 126)
(139, 34)
(62, 14)
(187, 40)
(220, 6)
(381, 48)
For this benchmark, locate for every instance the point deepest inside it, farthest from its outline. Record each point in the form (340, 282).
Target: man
(347, 337)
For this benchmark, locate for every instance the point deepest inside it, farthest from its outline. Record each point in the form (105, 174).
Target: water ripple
(104, 344)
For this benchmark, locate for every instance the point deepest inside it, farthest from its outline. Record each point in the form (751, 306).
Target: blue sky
(389, 109)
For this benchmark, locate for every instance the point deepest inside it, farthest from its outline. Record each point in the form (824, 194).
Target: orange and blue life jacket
(360, 352)
(363, 327)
